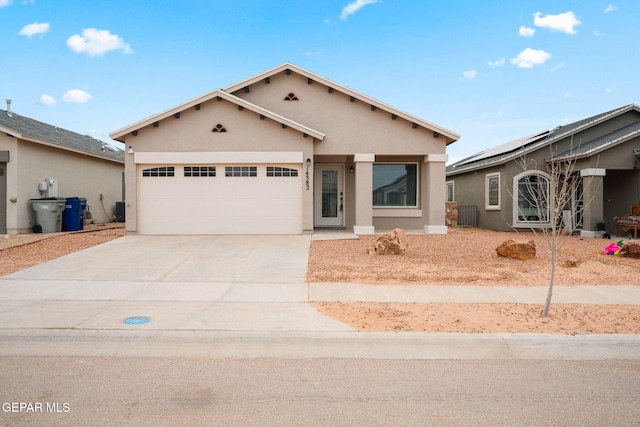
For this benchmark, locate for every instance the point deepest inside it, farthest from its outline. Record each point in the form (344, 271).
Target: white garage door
(220, 199)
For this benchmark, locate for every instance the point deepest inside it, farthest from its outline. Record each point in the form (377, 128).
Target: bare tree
(542, 196)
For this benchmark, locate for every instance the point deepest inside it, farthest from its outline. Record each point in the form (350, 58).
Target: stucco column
(131, 201)
(364, 193)
(434, 201)
(592, 185)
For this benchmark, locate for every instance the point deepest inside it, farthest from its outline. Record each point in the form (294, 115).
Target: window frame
(200, 171)
(159, 172)
(517, 223)
(281, 172)
(452, 185)
(417, 186)
(487, 191)
(239, 171)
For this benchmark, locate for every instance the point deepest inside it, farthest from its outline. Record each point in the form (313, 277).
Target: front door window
(329, 196)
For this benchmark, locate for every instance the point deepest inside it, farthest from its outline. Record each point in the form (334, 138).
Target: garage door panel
(220, 204)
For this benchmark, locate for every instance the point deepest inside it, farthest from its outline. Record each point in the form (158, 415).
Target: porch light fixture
(130, 149)
(351, 169)
(308, 161)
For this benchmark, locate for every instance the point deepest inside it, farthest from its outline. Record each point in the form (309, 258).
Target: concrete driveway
(235, 259)
(181, 283)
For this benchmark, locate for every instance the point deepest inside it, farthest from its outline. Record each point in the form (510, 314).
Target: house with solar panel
(489, 187)
(39, 161)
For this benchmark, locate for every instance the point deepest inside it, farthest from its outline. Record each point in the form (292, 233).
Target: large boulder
(517, 250)
(630, 249)
(394, 242)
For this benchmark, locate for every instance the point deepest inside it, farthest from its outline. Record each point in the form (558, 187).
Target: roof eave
(119, 134)
(11, 132)
(65, 147)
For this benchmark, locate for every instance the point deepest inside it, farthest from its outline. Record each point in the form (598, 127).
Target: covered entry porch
(366, 192)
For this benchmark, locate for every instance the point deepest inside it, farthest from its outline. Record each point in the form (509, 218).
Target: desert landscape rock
(517, 249)
(394, 242)
(630, 249)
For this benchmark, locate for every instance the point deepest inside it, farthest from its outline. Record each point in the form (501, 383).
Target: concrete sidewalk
(212, 319)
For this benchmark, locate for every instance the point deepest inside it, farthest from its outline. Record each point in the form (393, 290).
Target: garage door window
(240, 171)
(278, 171)
(199, 171)
(162, 171)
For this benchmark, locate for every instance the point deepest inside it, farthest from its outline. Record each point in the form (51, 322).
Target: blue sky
(491, 71)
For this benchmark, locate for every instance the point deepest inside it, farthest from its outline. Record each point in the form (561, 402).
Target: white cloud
(76, 96)
(530, 57)
(5, 3)
(470, 75)
(33, 29)
(526, 31)
(497, 63)
(95, 42)
(355, 6)
(46, 100)
(608, 90)
(313, 53)
(611, 8)
(564, 22)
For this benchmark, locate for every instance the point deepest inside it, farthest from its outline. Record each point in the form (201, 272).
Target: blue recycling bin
(73, 215)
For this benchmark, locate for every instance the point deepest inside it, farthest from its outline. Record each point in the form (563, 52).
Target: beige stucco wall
(353, 127)
(350, 127)
(77, 176)
(192, 132)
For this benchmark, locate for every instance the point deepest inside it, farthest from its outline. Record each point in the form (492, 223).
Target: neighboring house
(606, 149)
(283, 152)
(75, 165)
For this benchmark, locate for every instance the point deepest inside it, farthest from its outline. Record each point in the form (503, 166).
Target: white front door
(329, 195)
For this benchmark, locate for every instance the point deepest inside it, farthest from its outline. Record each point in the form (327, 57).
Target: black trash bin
(73, 216)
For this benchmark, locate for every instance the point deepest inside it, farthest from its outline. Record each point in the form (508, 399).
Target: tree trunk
(545, 310)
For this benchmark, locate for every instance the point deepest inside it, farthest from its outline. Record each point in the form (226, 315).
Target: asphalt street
(156, 391)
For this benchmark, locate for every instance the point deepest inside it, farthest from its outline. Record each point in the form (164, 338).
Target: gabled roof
(598, 145)
(38, 132)
(216, 93)
(506, 152)
(451, 136)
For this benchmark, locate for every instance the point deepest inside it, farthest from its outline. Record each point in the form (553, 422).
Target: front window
(531, 206)
(451, 191)
(492, 191)
(395, 185)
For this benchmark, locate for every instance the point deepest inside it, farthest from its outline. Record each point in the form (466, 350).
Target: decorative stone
(394, 242)
(517, 250)
(630, 249)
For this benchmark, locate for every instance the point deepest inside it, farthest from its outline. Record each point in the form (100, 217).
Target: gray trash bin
(49, 212)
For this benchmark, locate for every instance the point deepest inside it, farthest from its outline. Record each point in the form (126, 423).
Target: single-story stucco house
(70, 164)
(606, 179)
(284, 152)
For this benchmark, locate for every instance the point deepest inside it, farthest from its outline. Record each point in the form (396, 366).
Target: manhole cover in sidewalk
(138, 320)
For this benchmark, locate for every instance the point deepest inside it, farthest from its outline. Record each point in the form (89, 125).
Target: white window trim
(416, 206)
(453, 191)
(487, 206)
(528, 224)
